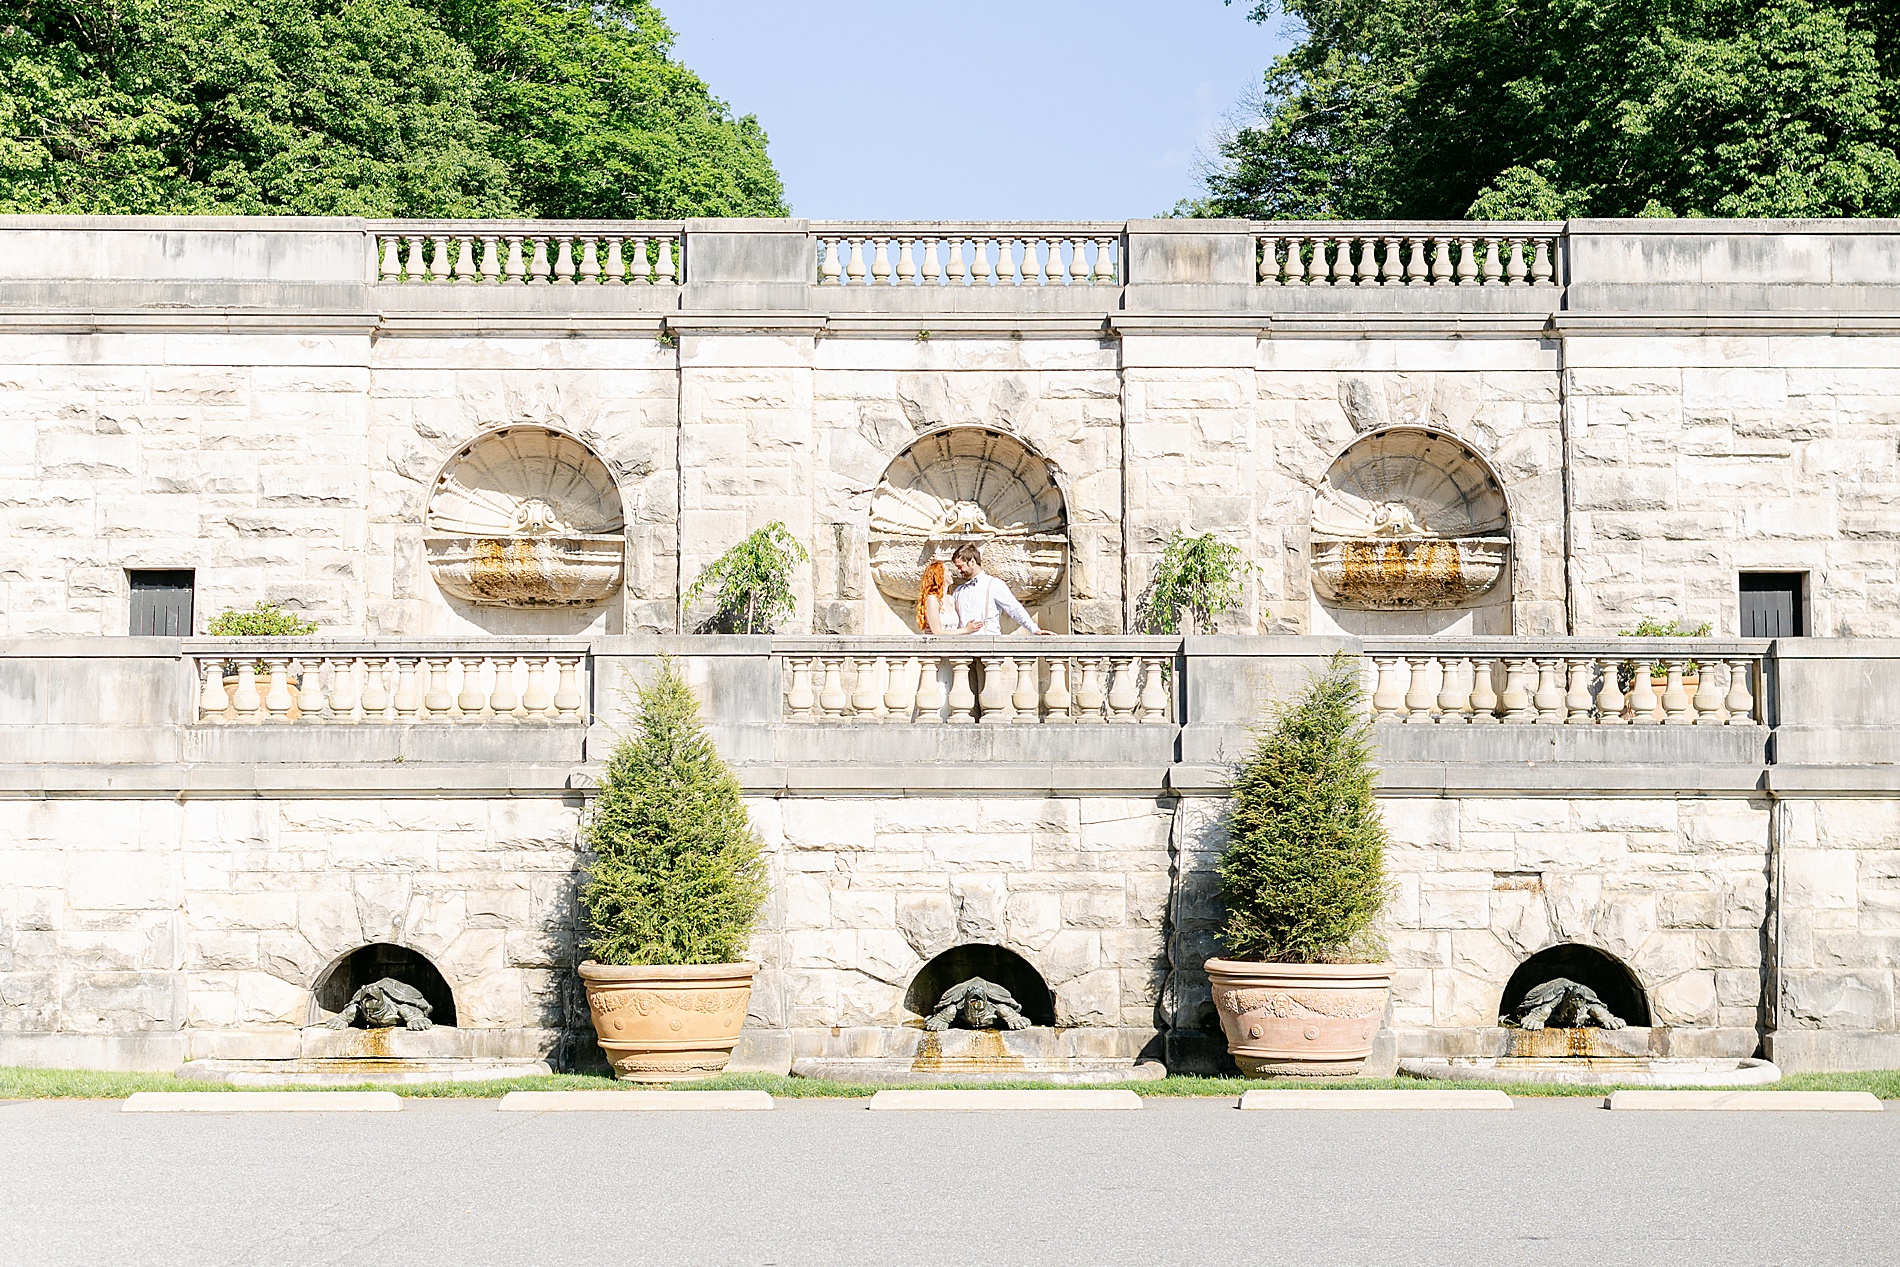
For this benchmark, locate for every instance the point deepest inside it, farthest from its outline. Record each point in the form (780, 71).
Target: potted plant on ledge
(1303, 881)
(671, 898)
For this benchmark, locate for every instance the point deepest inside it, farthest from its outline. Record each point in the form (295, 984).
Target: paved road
(455, 1182)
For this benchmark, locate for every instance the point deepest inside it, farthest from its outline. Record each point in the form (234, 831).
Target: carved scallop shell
(525, 481)
(1447, 488)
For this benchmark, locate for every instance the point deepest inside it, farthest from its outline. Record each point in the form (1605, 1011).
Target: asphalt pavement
(826, 1182)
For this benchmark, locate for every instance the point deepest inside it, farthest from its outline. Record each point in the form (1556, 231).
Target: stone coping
(1746, 1101)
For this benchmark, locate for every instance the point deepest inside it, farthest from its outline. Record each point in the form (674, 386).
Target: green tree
(1303, 877)
(365, 107)
(1550, 108)
(678, 876)
(1196, 577)
(751, 583)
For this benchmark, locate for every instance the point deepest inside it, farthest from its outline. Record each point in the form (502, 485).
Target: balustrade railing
(993, 254)
(1565, 682)
(1375, 253)
(529, 252)
(1003, 681)
(306, 681)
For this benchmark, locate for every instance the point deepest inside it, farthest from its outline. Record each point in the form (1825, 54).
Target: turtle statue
(1562, 1004)
(385, 1004)
(978, 1004)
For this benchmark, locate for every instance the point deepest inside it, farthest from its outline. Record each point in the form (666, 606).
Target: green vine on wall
(751, 584)
(1197, 577)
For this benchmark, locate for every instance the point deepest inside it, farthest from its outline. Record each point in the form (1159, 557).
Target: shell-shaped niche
(976, 485)
(1408, 520)
(526, 517)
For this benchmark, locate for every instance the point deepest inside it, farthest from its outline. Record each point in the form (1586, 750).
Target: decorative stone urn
(526, 517)
(1299, 1018)
(668, 1023)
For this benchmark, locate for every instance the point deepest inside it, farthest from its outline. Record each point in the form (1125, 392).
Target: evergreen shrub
(678, 876)
(1303, 877)
(266, 620)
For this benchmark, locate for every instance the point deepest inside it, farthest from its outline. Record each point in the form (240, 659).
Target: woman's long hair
(935, 582)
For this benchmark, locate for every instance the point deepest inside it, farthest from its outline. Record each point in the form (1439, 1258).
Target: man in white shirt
(981, 600)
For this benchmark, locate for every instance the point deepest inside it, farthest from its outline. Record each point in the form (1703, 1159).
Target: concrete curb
(981, 1101)
(263, 1102)
(634, 1101)
(1747, 1101)
(1342, 1101)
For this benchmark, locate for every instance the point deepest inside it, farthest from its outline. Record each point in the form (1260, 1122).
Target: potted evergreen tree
(1303, 881)
(671, 897)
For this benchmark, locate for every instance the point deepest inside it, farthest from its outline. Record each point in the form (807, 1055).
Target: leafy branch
(751, 583)
(1199, 577)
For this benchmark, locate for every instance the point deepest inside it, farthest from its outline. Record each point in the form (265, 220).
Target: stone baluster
(1154, 691)
(930, 693)
(1493, 264)
(1089, 696)
(439, 261)
(906, 264)
(1416, 273)
(436, 700)
(854, 270)
(391, 268)
(1707, 701)
(1518, 680)
(491, 260)
(1678, 708)
(246, 702)
(639, 267)
(375, 688)
(1543, 272)
(1311, 265)
(1441, 261)
(956, 268)
(278, 700)
(999, 683)
(614, 272)
(832, 699)
(900, 688)
(516, 271)
(1740, 702)
(1514, 270)
(1078, 262)
(1057, 700)
(1390, 268)
(343, 695)
(1467, 261)
(414, 269)
(880, 262)
(1484, 696)
(465, 273)
(1124, 692)
(932, 269)
(471, 700)
(1387, 699)
(212, 700)
(866, 699)
(1454, 692)
(830, 270)
(1103, 271)
(1367, 273)
(539, 267)
(310, 697)
(1027, 699)
(1267, 271)
(799, 698)
(590, 261)
(534, 697)
(568, 700)
(961, 703)
(503, 699)
(1549, 699)
(408, 698)
(664, 273)
(1577, 701)
(1643, 703)
(1418, 692)
(1610, 694)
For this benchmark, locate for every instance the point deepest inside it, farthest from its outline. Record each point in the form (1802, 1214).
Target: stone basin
(333, 1058)
(1039, 1054)
(1597, 1071)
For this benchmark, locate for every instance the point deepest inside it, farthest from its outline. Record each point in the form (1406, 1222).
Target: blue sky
(1038, 109)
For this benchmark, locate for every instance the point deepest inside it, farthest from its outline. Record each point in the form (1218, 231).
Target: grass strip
(87, 1084)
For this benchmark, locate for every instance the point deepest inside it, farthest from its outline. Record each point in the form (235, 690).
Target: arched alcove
(1609, 976)
(525, 517)
(996, 964)
(969, 485)
(1408, 521)
(366, 964)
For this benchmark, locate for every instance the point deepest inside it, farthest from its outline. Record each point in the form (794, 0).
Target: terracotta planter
(668, 1024)
(1298, 1018)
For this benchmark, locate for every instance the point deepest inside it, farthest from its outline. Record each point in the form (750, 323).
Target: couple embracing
(975, 605)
